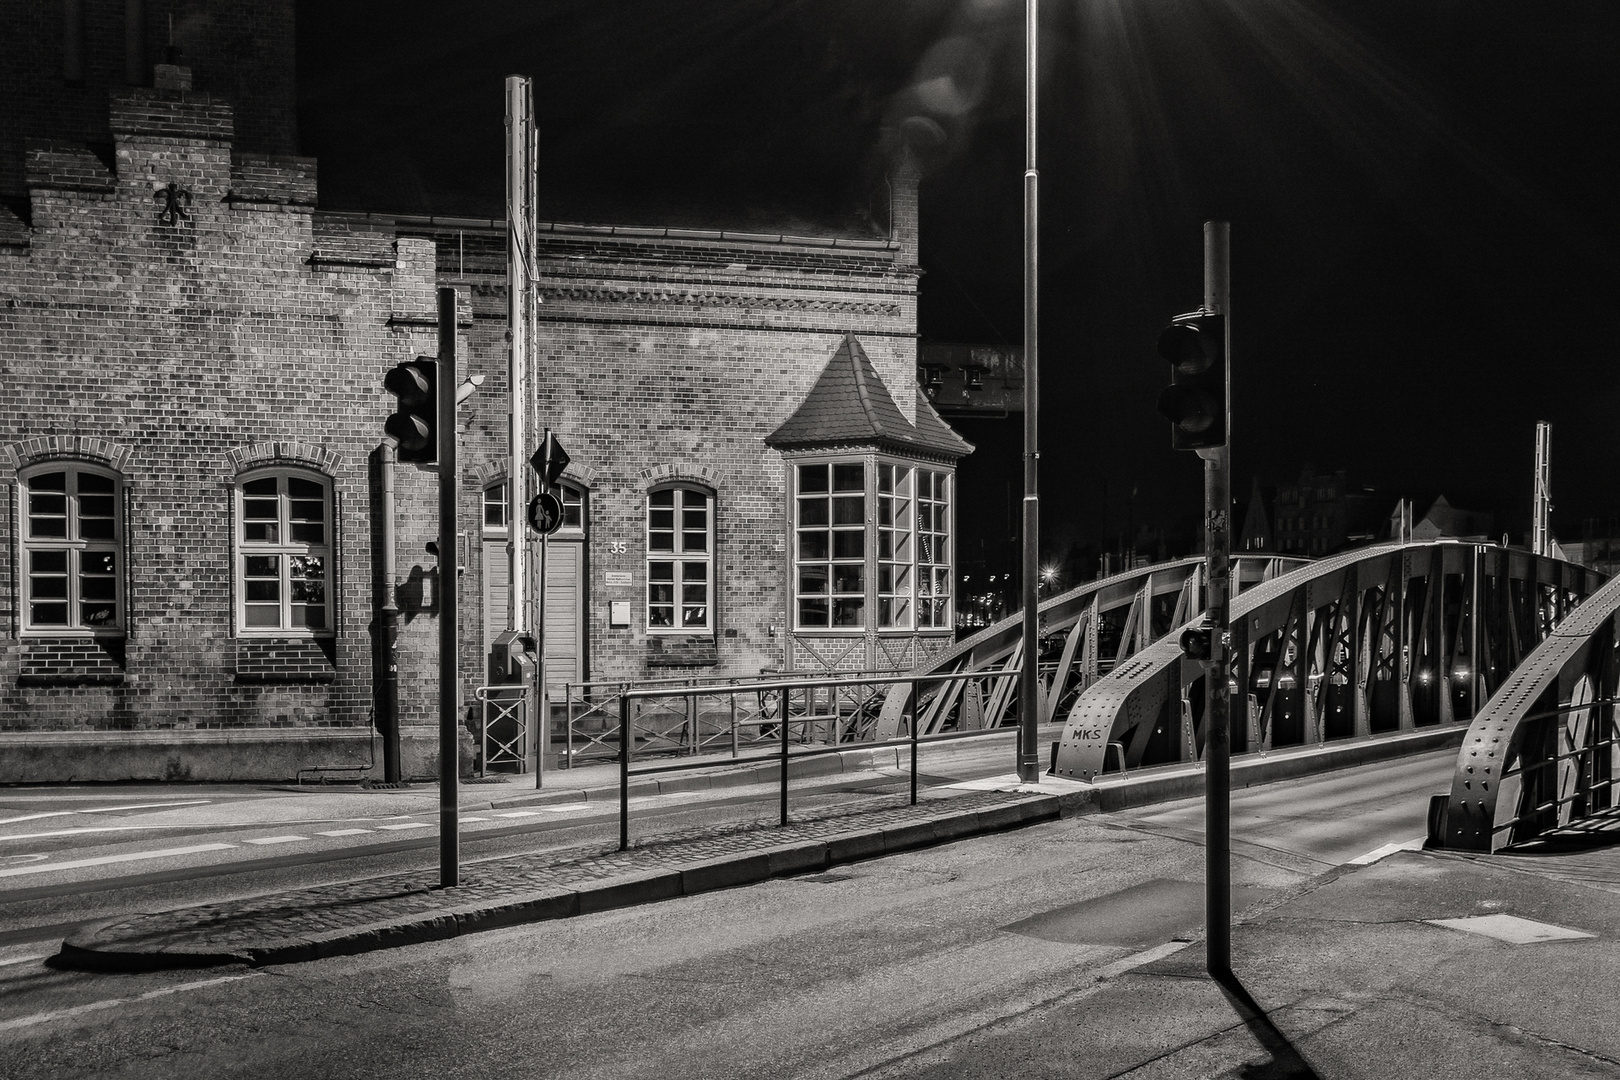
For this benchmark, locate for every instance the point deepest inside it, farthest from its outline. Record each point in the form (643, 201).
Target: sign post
(1217, 670)
(545, 517)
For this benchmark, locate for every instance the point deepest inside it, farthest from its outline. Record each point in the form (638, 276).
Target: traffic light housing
(415, 421)
(1198, 642)
(1195, 400)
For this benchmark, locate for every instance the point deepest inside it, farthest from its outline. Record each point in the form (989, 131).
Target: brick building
(192, 357)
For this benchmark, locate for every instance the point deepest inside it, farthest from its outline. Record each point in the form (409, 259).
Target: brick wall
(178, 352)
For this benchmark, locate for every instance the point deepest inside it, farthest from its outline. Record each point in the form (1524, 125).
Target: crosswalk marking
(343, 832)
(405, 825)
(520, 813)
(103, 860)
(466, 818)
(276, 839)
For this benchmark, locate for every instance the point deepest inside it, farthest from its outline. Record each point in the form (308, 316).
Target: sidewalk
(1426, 964)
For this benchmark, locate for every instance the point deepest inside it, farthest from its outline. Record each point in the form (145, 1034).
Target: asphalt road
(819, 976)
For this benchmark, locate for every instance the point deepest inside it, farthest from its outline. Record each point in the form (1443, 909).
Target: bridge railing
(687, 716)
(784, 742)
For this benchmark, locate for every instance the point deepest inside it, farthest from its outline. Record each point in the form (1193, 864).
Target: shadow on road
(1286, 1062)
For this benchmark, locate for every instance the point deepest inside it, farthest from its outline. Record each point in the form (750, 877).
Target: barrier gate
(505, 718)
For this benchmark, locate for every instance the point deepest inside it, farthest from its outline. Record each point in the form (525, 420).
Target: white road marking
(275, 839)
(21, 959)
(405, 825)
(1387, 850)
(111, 1003)
(465, 818)
(343, 832)
(1136, 960)
(73, 864)
(1511, 929)
(104, 810)
(520, 813)
(566, 807)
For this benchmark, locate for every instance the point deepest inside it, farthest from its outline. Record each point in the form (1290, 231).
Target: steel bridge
(1541, 756)
(1085, 633)
(1384, 639)
(1380, 640)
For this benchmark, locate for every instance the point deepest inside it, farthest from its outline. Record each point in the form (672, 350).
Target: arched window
(71, 549)
(284, 552)
(680, 560)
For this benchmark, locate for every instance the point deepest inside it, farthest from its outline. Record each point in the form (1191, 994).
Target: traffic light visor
(1192, 410)
(1192, 345)
(409, 383)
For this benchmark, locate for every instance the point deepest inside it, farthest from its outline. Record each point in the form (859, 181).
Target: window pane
(660, 616)
(695, 519)
(98, 562)
(47, 562)
(308, 532)
(96, 529)
(812, 612)
(51, 481)
(661, 519)
(101, 614)
(96, 506)
(308, 592)
(694, 541)
(661, 541)
(311, 617)
(260, 591)
(694, 616)
(812, 511)
(262, 565)
(48, 588)
(849, 477)
(661, 571)
(849, 612)
(849, 577)
(849, 545)
(662, 498)
(98, 588)
(48, 614)
(894, 611)
(694, 571)
(264, 485)
(812, 545)
(812, 579)
(262, 615)
(300, 488)
(306, 510)
(849, 510)
(812, 478)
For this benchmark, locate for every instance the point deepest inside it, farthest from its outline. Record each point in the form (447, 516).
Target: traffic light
(1195, 400)
(415, 421)
(1198, 642)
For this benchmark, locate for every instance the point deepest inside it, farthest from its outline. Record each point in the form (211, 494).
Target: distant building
(1256, 534)
(1442, 520)
(1321, 513)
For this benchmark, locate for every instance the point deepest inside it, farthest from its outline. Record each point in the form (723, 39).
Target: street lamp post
(1029, 769)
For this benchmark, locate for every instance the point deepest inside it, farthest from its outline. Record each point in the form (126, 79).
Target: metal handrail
(913, 740)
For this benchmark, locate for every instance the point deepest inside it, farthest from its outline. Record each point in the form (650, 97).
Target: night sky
(1421, 192)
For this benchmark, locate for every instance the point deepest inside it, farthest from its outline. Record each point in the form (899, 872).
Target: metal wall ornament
(176, 202)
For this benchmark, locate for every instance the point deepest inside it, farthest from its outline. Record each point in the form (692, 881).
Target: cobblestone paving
(269, 924)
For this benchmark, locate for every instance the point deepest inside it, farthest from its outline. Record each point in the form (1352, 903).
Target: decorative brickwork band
(283, 453)
(46, 447)
(72, 661)
(284, 660)
(671, 471)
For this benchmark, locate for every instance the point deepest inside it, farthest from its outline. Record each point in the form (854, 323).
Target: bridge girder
(1381, 639)
(1542, 752)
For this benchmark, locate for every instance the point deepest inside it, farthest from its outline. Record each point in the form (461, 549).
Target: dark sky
(1421, 192)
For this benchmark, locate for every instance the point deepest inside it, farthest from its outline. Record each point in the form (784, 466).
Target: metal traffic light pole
(1217, 689)
(449, 609)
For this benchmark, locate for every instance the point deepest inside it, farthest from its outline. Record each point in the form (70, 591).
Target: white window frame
(905, 583)
(285, 549)
(77, 550)
(935, 538)
(501, 492)
(688, 564)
